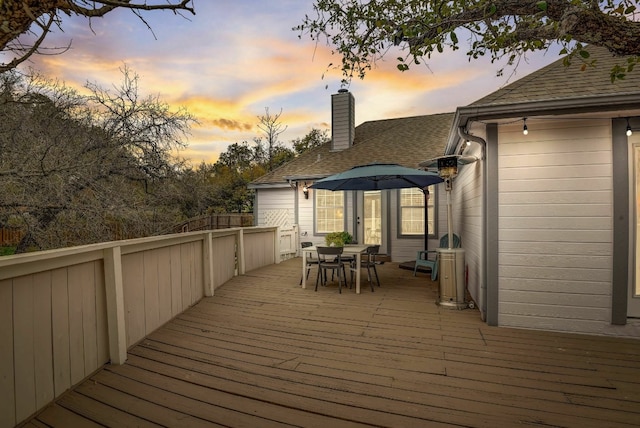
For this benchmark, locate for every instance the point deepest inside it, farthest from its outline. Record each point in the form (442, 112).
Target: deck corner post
(115, 305)
(209, 286)
(276, 246)
(240, 252)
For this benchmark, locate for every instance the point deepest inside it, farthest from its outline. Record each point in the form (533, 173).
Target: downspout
(483, 287)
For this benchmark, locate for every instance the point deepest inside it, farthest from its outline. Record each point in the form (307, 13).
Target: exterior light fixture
(448, 169)
(448, 166)
(305, 190)
(525, 130)
(629, 131)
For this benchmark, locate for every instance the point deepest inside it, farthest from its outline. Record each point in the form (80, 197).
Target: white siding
(274, 200)
(305, 216)
(467, 200)
(555, 225)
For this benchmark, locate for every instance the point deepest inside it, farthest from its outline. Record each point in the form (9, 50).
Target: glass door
(372, 217)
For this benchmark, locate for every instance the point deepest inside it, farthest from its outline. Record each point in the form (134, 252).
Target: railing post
(208, 265)
(296, 238)
(276, 246)
(115, 305)
(240, 252)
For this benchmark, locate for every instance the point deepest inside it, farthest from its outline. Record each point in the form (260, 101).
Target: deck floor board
(263, 352)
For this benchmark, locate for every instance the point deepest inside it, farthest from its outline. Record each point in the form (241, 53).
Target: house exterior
(392, 218)
(549, 219)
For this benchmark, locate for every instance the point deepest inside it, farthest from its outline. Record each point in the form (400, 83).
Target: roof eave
(258, 186)
(304, 177)
(466, 114)
(289, 179)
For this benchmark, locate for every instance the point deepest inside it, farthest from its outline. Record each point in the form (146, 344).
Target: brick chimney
(343, 120)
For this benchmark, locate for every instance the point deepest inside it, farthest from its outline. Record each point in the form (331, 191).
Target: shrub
(338, 239)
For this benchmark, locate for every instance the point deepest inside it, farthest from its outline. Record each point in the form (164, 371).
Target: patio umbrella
(378, 176)
(381, 176)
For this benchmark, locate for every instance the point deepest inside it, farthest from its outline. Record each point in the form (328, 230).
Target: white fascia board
(617, 102)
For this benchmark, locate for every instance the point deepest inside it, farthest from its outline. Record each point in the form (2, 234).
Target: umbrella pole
(426, 219)
(449, 220)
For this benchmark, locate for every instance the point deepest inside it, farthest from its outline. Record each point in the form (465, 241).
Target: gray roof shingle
(406, 141)
(557, 81)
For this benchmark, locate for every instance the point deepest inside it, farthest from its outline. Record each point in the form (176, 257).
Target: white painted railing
(65, 313)
(289, 242)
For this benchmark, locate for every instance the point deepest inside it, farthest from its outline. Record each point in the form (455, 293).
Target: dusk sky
(235, 58)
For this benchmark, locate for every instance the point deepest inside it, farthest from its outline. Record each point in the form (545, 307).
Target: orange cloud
(230, 124)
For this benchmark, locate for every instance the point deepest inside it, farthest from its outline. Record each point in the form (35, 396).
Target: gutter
(304, 177)
(483, 286)
(463, 115)
(288, 183)
(268, 186)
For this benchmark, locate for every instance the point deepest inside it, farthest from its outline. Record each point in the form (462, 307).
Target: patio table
(356, 250)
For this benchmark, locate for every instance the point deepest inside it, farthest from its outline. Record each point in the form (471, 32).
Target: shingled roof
(405, 141)
(555, 90)
(557, 81)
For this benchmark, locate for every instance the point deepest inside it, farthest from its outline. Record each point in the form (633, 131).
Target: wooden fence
(65, 313)
(10, 236)
(214, 222)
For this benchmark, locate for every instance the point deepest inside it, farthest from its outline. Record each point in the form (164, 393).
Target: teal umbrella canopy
(378, 176)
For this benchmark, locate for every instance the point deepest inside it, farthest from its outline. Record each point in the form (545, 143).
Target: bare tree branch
(19, 18)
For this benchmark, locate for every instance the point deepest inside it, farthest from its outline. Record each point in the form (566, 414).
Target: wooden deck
(264, 352)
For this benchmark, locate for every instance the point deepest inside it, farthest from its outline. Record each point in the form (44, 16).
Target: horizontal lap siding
(278, 200)
(305, 217)
(467, 200)
(555, 226)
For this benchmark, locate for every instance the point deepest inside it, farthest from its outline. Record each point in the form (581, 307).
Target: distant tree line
(78, 169)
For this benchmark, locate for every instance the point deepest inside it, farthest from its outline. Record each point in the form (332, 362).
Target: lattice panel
(277, 218)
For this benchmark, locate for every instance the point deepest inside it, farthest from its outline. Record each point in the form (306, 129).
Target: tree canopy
(26, 23)
(78, 169)
(363, 32)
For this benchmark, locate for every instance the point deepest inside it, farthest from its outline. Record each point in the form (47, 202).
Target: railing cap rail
(29, 263)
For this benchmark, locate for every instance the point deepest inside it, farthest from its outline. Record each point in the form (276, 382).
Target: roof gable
(405, 141)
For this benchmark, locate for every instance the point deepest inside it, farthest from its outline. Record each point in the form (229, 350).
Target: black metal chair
(311, 260)
(369, 262)
(330, 258)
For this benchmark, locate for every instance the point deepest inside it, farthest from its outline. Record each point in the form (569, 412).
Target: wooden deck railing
(65, 313)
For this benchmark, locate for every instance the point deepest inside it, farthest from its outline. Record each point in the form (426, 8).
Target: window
(329, 211)
(412, 212)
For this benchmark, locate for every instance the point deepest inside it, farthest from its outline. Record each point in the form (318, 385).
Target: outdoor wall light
(629, 131)
(525, 130)
(305, 190)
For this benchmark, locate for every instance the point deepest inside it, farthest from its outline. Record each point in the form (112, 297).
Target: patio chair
(311, 261)
(423, 260)
(369, 262)
(329, 258)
